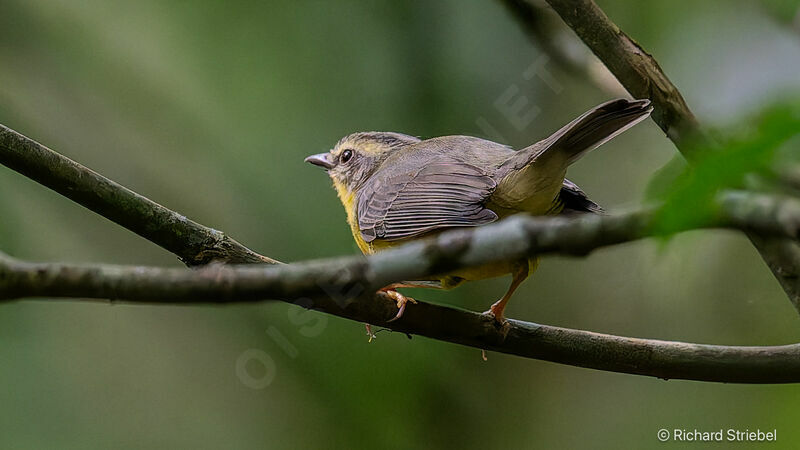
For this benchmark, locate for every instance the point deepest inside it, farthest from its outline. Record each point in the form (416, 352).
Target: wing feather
(441, 194)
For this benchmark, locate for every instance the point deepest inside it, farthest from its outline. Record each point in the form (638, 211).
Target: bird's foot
(496, 312)
(401, 300)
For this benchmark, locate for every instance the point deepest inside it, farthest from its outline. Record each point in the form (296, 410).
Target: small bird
(396, 188)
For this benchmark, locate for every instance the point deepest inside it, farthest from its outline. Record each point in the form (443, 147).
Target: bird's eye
(346, 155)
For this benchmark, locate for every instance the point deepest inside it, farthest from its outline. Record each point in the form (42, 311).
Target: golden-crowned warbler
(396, 188)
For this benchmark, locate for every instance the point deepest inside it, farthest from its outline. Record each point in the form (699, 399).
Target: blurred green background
(209, 108)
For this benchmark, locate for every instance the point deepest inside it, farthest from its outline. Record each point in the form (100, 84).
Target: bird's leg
(496, 310)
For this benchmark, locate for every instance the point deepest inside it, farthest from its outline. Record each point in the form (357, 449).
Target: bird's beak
(320, 159)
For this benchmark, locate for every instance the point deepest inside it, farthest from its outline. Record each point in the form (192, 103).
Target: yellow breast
(348, 199)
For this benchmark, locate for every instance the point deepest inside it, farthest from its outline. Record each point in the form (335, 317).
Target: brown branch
(783, 258)
(515, 238)
(636, 69)
(556, 41)
(662, 359)
(193, 243)
(642, 76)
(344, 287)
(542, 30)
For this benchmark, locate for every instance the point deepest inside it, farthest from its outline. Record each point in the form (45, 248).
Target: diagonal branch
(558, 43)
(541, 28)
(515, 238)
(193, 243)
(636, 69)
(642, 76)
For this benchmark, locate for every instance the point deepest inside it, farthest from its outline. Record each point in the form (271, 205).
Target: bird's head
(356, 156)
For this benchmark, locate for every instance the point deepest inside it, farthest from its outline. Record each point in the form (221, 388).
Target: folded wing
(439, 195)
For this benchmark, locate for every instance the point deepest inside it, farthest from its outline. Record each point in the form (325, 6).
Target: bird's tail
(532, 178)
(592, 129)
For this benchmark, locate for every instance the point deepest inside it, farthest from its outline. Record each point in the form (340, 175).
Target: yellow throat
(348, 199)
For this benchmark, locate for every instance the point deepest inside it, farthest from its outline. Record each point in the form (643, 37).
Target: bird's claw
(401, 300)
(496, 313)
(499, 320)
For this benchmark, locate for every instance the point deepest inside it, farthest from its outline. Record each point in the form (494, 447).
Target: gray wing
(439, 195)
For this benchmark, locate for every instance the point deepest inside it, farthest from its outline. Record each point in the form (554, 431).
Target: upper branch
(636, 69)
(511, 239)
(193, 243)
(537, 23)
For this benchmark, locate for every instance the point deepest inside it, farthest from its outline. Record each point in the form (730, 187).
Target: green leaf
(749, 148)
